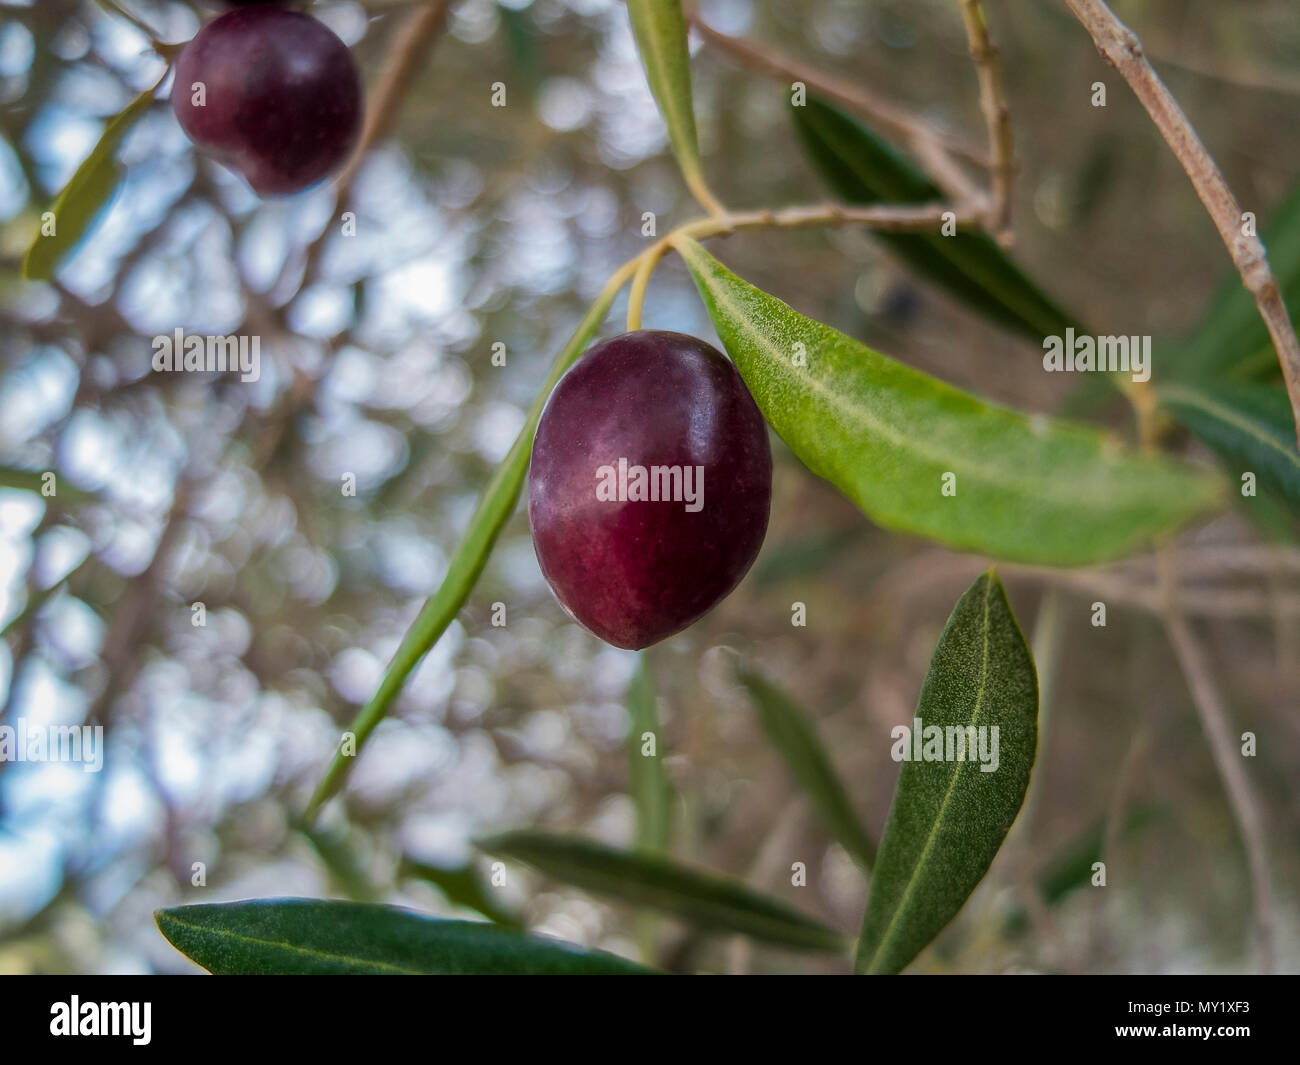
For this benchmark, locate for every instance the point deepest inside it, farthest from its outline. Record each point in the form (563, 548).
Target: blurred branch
(887, 218)
(1214, 721)
(112, 7)
(934, 149)
(1246, 77)
(410, 45)
(1121, 586)
(997, 118)
(131, 622)
(1123, 50)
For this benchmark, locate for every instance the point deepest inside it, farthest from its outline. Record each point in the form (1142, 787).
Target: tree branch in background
(1214, 721)
(997, 119)
(936, 150)
(410, 45)
(1122, 48)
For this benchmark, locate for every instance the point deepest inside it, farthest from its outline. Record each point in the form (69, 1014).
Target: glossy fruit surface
(650, 485)
(273, 94)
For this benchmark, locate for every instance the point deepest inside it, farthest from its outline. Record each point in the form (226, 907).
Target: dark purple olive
(650, 485)
(281, 97)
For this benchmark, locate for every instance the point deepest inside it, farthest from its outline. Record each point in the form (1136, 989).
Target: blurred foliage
(478, 225)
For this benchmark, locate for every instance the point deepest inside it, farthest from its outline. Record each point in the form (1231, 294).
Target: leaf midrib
(943, 806)
(291, 947)
(1045, 487)
(680, 124)
(1176, 394)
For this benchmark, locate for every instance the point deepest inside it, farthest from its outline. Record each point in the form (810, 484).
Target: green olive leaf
(312, 936)
(1072, 866)
(920, 456)
(467, 561)
(949, 816)
(1232, 340)
(660, 32)
(649, 782)
(863, 169)
(794, 737)
(710, 902)
(462, 885)
(85, 196)
(1248, 423)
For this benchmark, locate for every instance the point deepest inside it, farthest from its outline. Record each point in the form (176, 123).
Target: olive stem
(997, 119)
(889, 218)
(646, 263)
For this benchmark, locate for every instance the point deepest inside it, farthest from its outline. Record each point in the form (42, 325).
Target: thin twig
(1214, 722)
(410, 45)
(112, 7)
(1121, 47)
(1121, 587)
(1252, 77)
(997, 118)
(934, 149)
(888, 218)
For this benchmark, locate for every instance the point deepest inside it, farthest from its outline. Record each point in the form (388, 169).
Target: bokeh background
(477, 225)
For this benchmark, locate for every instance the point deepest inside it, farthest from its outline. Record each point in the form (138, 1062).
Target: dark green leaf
(706, 900)
(949, 817)
(1071, 868)
(1027, 488)
(84, 197)
(335, 851)
(795, 738)
(313, 936)
(863, 169)
(812, 555)
(1248, 423)
(1231, 340)
(463, 886)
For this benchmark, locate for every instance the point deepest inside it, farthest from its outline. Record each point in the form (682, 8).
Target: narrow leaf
(795, 738)
(949, 816)
(467, 562)
(463, 886)
(313, 936)
(1232, 340)
(893, 439)
(336, 852)
(812, 555)
(863, 169)
(1071, 868)
(84, 197)
(649, 782)
(660, 32)
(708, 901)
(1248, 423)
